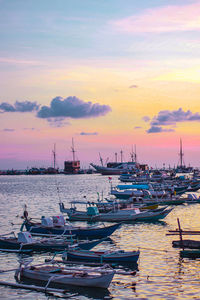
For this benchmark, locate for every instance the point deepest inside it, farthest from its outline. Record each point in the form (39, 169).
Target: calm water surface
(162, 274)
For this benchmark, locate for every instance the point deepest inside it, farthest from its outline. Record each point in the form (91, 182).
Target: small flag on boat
(110, 178)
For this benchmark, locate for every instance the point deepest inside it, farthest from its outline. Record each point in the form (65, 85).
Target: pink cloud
(162, 19)
(19, 61)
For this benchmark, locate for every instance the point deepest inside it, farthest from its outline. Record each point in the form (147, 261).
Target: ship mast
(101, 159)
(54, 156)
(121, 153)
(181, 154)
(134, 155)
(73, 150)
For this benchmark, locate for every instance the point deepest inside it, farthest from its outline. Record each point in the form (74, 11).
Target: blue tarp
(133, 186)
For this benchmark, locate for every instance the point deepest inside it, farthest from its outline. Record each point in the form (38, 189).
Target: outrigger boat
(56, 226)
(92, 214)
(51, 274)
(134, 215)
(25, 243)
(102, 256)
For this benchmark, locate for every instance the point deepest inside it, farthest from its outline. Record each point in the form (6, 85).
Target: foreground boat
(102, 256)
(50, 228)
(51, 274)
(25, 243)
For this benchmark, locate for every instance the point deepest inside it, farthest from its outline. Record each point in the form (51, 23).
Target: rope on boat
(148, 277)
(12, 232)
(157, 250)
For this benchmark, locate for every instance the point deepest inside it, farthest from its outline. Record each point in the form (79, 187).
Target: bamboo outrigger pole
(180, 233)
(33, 287)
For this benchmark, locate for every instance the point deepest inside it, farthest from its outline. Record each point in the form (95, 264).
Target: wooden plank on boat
(176, 232)
(186, 231)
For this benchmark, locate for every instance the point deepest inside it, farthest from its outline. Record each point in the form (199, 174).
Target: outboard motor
(25, 237)
(46, 222)
(58, 220)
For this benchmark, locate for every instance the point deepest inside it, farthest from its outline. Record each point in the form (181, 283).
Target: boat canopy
(133, 186)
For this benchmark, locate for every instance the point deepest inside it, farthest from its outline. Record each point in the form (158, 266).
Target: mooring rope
(156, 250)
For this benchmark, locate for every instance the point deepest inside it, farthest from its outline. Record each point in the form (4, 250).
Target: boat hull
(191, 244)
(103, 257)
(91, 233)
(100, 280)
(6, 245)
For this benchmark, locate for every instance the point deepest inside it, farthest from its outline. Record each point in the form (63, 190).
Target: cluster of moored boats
(138, 201)
(75, 242)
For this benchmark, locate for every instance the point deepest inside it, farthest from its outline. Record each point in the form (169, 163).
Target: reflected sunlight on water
(162, 273)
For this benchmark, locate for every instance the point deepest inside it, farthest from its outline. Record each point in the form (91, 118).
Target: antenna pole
(121, 152)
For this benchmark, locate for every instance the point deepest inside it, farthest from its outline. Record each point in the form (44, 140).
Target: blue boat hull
(6, 245)
(83, 233)
(126, 258)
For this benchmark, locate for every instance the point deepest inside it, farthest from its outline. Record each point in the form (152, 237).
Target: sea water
(161, 273)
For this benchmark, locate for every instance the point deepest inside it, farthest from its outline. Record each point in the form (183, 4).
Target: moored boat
(25, 243)
(48, 227)
(102, 256)
(51, 274)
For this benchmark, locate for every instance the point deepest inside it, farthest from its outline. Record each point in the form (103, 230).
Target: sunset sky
(111, 74)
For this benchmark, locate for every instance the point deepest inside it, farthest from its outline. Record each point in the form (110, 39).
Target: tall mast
(181, 153)
(132, 155)
(121, 152)
(101, 159)
(135, 155)
(54, 156)
(73, 151)
(115, 156)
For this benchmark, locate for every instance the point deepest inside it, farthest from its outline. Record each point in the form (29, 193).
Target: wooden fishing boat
(51, 274)
(103, 207)
(190, 244)
(193, 250)
(25, 243)
(48, 227)
(135, 215)
(102, 256)
(123, 215)
(192, 253)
